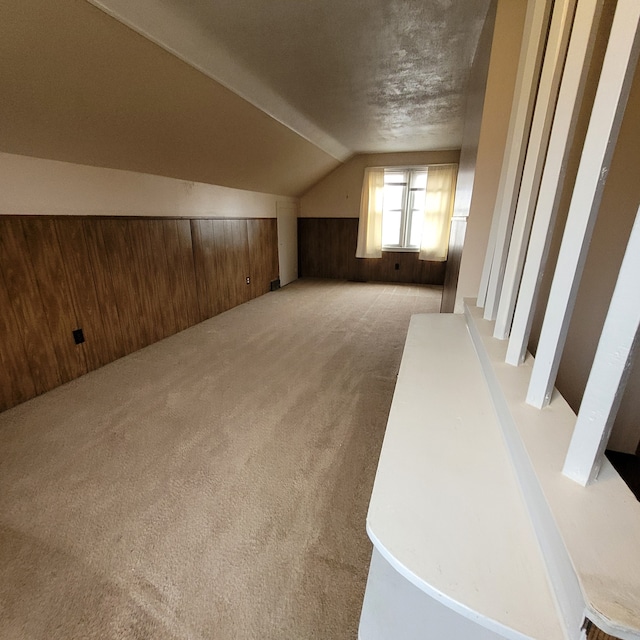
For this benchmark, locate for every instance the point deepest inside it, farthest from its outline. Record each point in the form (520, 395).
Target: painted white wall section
(610, 371)
(554, 60)
(606, 117)
(531, 53)
(583, 37)
(33, 186)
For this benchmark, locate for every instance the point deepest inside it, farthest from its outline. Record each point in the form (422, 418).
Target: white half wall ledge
(588, 535)
(470, 509)
(446, 511)
(34, 186)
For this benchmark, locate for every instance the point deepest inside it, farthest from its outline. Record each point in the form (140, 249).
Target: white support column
(488, 261)
(583, 37)
(610, 370)
(554, 60)
(535, 29)
(610, 101)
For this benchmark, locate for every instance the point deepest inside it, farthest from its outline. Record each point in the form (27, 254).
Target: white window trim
(406, 214)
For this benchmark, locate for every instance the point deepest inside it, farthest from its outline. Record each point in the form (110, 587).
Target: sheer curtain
(370, 225)
(438, 209)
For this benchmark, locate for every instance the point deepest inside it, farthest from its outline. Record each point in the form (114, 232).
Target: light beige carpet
(212, 486)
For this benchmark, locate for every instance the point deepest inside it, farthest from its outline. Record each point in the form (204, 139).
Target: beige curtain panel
(438, 209)
(370, 225)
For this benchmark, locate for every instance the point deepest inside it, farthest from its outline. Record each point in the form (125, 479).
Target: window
(406, 209)
(403, 208)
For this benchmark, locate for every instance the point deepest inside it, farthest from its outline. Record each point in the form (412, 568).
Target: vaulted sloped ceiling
(265, 96)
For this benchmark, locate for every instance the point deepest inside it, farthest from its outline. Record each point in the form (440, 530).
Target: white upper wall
(32, 186)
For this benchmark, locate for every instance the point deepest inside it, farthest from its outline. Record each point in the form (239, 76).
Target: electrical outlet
(397, 266)
(248, 280)
(78, 336)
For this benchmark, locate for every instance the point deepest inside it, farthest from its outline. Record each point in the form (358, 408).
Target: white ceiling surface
(349, 76)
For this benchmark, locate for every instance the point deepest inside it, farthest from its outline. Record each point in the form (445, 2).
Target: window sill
(400, 250)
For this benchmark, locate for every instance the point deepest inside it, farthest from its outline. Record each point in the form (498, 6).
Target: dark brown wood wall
(327, 249)
(126, 282)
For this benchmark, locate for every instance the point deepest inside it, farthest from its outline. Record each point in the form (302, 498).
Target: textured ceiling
(264, 95)
(351, 76)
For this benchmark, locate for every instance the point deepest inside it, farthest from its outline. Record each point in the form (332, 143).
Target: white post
(535, 29)
(583, 36)
(608, 108)
(554, 60)
(610, 370)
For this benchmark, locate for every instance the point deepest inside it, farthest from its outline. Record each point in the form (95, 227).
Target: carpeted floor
(212, 486)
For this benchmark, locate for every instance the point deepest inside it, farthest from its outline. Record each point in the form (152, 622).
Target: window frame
(406, 213)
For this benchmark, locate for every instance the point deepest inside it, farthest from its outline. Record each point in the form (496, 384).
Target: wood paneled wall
(126, 282)
(327, 249)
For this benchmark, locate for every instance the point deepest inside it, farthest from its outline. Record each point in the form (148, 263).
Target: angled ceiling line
(179, 37)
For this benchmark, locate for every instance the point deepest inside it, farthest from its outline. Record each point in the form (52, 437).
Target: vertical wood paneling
(225, 253)
(263, 254)
(147, 264)
(593, 633)
(127, 282)
(50, 273)
(143, 265)
(214, 265)
(121, 258)
(220, 269)
(327, 250)
(181, 274)
(82, 287)
(198, 266)
(308, 253)
(161, 275)
(340, 235)
(237, 260)
(113, 340)
(24, 298)
(271, 244)
(16, 381)
(203, 257)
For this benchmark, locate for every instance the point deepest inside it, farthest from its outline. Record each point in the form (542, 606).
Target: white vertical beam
(610, 370)
(533, 50)
(488, 261)
(583, 35)
(554, 60)
(608, 108)
(535, 29)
